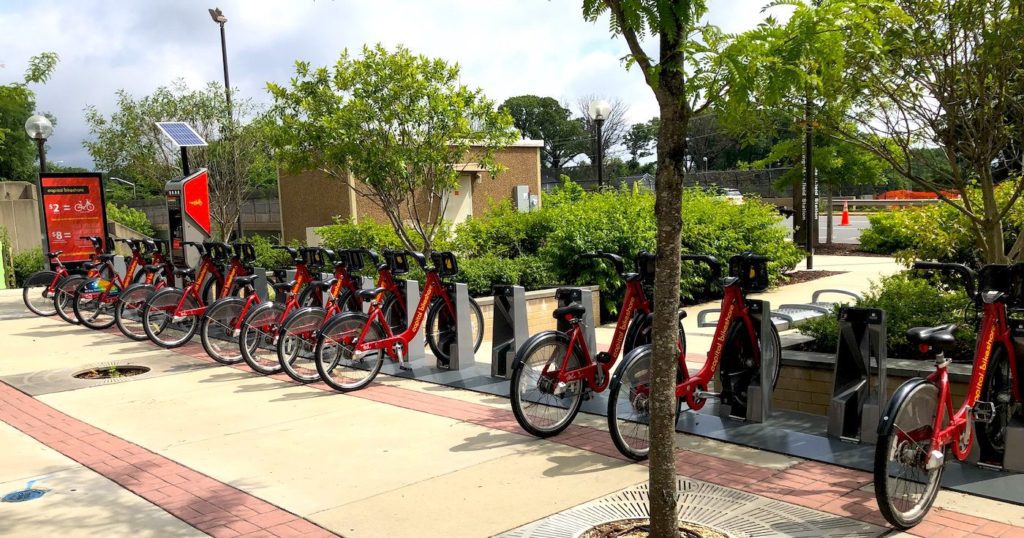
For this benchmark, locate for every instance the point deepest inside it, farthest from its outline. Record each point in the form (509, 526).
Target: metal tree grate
(726, 510)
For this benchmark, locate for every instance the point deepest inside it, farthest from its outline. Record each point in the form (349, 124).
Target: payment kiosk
(188, 215)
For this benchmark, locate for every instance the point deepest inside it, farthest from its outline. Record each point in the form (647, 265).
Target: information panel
(73, 205)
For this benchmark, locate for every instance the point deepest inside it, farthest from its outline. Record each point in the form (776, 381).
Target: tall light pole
(599, 111)
(218, 17)
(126, 182)
(39, 129)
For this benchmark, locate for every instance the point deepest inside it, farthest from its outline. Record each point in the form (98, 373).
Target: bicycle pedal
(603, 357)
(983, 412)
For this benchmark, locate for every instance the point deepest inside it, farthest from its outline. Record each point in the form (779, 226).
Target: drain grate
(726, 510)
(30, 494)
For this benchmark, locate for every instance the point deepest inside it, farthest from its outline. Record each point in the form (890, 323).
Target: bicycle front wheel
(257, 339)
(338, 362)
(162, 324)
(998, 389)
(218, 330)
(94, 303)
(128, 313)
(629, 405)
(296, 349)
(442, 330)
(905, 487)
(38, 295)
(64, 298)
(541, 405)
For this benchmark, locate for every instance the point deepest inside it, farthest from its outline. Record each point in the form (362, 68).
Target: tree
(397, 128)
(684, 79)
(640, 142)
(128, 144)
(17, 103)
(949, 76)
(612, 130)
(543, 118)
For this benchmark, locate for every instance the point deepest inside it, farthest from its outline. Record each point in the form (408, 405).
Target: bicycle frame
(121, 282)
(194, 289)
(434, 285)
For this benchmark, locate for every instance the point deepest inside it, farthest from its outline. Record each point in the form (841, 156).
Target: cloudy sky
(506, 47)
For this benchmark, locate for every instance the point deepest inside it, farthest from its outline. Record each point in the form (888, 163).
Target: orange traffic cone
(846, 214)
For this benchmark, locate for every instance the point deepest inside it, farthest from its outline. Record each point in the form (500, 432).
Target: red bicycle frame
(207, 266)
(115, 279)
(434, 285)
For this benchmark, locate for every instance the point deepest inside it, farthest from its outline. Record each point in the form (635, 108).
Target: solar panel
(181, 133)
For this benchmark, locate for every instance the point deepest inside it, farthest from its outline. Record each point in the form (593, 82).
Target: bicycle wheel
(311, 297)
(629, 405)
(997, 389)
(217, 331)
(336, 359)
(441, 327)
(904, 487)
(161, 324)
(37, 294)
(296, 349)
(541, 407)
(128, 312)
(394, 313)
(94, 304)
(738, 369)
(257, 338)
(63, 298)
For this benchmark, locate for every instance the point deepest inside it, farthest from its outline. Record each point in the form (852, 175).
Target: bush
(7, 254)
(483, 273)
(268, 257)
(375, 236)
(130, 217)
(26, 263)
(504, 231)
(908, 301)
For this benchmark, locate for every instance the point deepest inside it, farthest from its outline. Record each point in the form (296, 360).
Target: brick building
(310, 199)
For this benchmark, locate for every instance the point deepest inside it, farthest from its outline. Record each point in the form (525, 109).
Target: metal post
(460, 350)
(810, 202)
(40, 143)
(184, 161)
(412, 299)
(508, 328)
(600, 154)
(759, 393)
(260, 283)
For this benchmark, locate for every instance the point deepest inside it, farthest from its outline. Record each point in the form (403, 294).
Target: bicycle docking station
(461, 354)
(260, 283)
(759, 392)
(853, 410)
(584, 297)
(412, 298)
(508, 328)
(1013, 455)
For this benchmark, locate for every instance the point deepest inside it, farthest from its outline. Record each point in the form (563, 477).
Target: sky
(505, 47)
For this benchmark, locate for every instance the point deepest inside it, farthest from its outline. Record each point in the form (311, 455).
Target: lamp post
(126, 182)
(599, 111)
(705, 165)
(39, 129)
(218, 17)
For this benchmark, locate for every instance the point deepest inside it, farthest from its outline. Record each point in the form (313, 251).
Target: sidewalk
(401, 458)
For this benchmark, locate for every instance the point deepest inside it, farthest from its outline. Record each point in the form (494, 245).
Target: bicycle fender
(536, 340)
(300, 311)
(634, 355)
(885, 424)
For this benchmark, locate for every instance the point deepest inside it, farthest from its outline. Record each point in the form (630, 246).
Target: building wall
(523, 168)
(19, 214)
(310, 198)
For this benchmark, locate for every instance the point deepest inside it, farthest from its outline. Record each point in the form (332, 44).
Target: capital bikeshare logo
(986, 353)
(719, 343)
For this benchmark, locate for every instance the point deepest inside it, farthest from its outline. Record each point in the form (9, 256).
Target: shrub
(908, 301)
(130, 217)
(504, 231)
(26, 263)
(373, 235)
(483, 273)
(268, 257)
(7, 254)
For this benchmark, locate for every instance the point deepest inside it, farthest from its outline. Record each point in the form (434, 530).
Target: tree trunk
(668, 212)
(994, 248)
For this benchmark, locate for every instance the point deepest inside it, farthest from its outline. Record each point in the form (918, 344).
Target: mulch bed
(844, 249)
(797, 277)
(112, 372)
(639, 528)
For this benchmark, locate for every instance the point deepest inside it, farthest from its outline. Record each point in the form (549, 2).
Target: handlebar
(97, 241)
(710, 261)
(291, 251)
(373, 255)
(244, 251)
(200, 247)
(965, 273)
(616, 260)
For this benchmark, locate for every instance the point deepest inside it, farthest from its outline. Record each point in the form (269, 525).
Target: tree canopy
(17, 103)
(544, 118)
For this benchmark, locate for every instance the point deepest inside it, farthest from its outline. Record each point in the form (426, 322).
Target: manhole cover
(111, 372)
(23, 495)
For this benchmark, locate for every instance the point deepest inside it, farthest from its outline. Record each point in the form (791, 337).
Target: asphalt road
(840, 234)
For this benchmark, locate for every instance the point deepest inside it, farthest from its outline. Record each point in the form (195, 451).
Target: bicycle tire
(297, 352)
(37, 286)
(210, 291)
(530, 358)
(310, 297)
(63, 297)
(915, 409)
(160, 327)
(735, 374)
(217, 330)
(334, 350)
(128, 312)
(257, 338)
(441, 330)
(394, 313)
(634, 370)
(88, 305)
(998, 389)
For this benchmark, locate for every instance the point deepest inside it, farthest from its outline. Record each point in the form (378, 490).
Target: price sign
(73, 207)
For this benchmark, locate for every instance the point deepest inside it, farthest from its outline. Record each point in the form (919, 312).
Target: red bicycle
(350, 348)
(39, 288)
(736, 357)
(554, 370)
(159, 274)
(920, 425)
(96, 299)
(171, 316)
(64, 292)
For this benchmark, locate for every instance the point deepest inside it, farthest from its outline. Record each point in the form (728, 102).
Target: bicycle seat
(940, 337)
(370, 294)
(185, 271)
(105, 257)
(152, 268)
(91, 265)
(245, 280)
(54, 254)
(282, 287)
(574, 310)
(322, 284)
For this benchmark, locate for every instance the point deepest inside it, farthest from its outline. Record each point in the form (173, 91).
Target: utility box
(522, 195)
(188, 214)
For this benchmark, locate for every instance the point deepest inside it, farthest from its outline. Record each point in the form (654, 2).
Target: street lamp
(705, 165)
(218, 17)
(599, 111)
(126, 182)
(39, 129)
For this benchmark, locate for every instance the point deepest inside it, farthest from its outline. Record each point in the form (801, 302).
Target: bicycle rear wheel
(37, 294)
(94, 303)
(64, 295)
(217, 331)
(738, 368)
(540, 406)
(257, 339)
(442, 330)
(128, 313)
(159, 320)
(337, 362)
(296, 349)
(904, 487)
